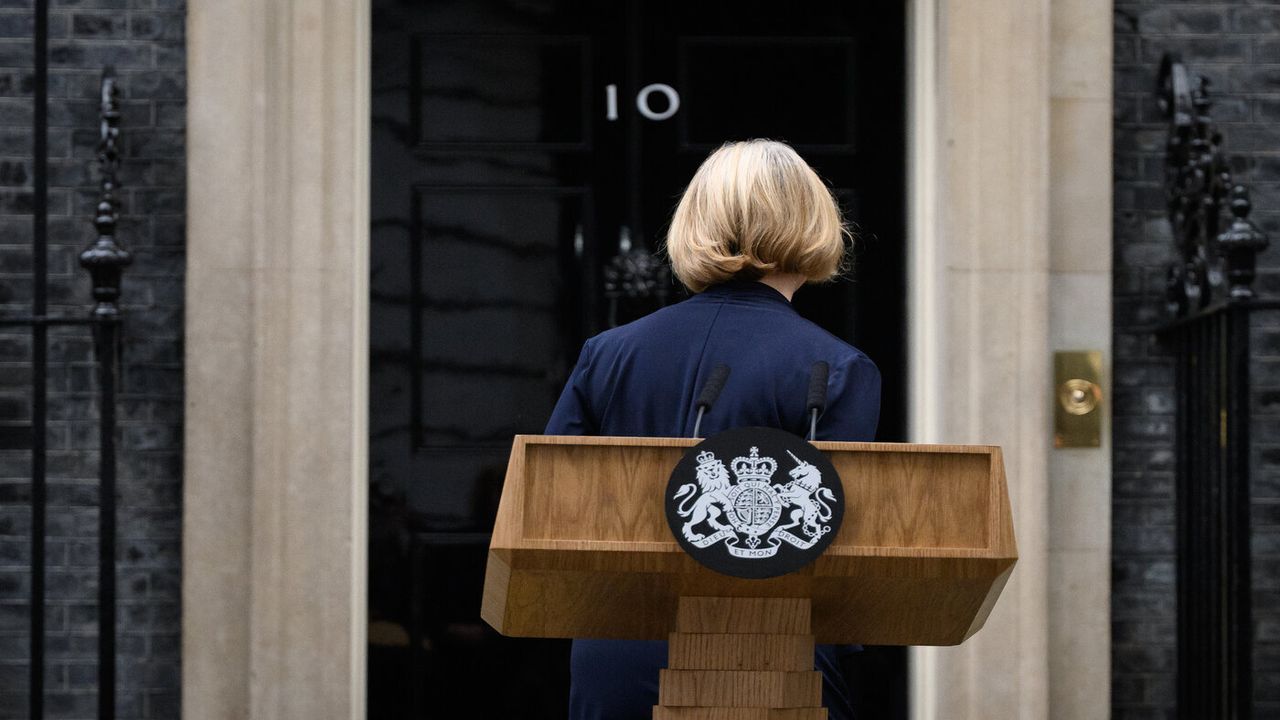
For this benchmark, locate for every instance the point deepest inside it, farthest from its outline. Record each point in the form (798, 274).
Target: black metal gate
(1212, 303)
(104, 259)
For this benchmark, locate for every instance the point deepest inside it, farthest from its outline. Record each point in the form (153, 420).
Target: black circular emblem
(754, 502)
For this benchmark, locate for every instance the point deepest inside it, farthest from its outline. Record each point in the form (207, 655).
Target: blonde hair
(752, 208)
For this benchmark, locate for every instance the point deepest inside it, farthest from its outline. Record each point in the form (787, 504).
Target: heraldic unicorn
(741, 513)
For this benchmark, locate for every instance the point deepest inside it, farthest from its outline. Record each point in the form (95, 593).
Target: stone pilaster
(979, 311)
(274, 531)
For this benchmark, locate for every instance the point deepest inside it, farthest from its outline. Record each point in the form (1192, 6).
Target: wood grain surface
(739, 688)
(581, 546)
(696, 713)
(785, 615)
(741, 657)
(739, 651)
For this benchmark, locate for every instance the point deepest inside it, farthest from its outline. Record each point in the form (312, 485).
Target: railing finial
(1240, 244)
(1215, 264)
(105, 259)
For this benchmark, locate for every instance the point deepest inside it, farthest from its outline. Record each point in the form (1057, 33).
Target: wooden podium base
(740, 659)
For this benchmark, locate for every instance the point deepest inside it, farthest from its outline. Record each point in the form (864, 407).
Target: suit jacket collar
(749, 291)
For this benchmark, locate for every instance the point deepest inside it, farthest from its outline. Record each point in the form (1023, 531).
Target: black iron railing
(105, 260)
(1211, 303)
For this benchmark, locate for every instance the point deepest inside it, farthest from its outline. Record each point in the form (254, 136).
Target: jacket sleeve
(572, 414)
(853, 402)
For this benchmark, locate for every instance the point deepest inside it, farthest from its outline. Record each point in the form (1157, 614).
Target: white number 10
(642, 101)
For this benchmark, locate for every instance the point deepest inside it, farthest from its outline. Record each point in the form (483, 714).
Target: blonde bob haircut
(753, 208)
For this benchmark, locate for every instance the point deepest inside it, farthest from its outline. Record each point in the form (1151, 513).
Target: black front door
(526, 156)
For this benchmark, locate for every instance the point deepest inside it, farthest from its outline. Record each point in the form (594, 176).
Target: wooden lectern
(581, 549)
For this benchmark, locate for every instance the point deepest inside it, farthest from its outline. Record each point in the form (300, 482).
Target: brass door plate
(1077, 401)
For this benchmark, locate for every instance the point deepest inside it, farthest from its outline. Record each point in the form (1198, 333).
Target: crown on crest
(706, 457)
(754, 467)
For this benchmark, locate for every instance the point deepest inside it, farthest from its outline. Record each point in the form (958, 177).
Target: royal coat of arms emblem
(750, 517)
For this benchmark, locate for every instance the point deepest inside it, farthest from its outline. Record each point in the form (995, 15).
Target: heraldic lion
(713, 477)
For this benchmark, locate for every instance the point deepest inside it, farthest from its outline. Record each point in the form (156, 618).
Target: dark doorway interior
(516, 153)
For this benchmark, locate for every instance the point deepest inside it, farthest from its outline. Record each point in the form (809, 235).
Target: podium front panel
(581, 547)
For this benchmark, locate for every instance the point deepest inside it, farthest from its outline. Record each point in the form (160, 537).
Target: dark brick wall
(1237, 46)
(144, 40)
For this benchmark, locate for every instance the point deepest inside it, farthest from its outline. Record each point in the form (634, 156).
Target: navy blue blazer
(643, 378)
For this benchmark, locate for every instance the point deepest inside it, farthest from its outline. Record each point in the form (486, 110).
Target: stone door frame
(274, 531)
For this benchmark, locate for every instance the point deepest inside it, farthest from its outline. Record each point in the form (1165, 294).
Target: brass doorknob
(1079, 396)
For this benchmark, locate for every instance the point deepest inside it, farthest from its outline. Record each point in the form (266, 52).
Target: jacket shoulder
(659, 323)
(838, 350)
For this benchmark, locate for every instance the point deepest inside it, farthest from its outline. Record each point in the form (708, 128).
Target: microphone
(710, 391)
(817, 395)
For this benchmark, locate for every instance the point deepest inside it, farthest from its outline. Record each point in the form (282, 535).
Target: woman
(755, 224)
